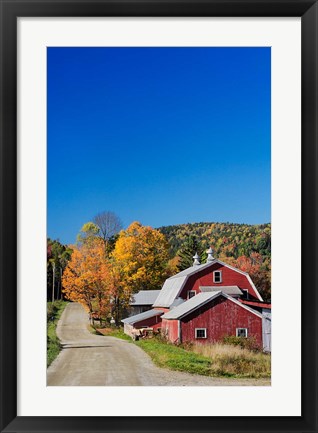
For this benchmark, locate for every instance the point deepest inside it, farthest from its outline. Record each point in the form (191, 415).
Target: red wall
(221, 317)
(151, 322)
(205, 278)
(170, 330)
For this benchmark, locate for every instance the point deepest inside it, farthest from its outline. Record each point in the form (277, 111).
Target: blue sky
(158, 135)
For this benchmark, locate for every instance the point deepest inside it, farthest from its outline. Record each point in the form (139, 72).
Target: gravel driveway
(92, 360)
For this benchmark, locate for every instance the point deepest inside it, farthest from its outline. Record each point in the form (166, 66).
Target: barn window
(241, 332)
(217, 277)
(245, 293)
(191, 293)
(200, 332)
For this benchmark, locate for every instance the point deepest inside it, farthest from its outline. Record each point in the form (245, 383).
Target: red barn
(208, 317)
(206, 302)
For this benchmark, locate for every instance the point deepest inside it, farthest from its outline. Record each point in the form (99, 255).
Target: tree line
(108, 264)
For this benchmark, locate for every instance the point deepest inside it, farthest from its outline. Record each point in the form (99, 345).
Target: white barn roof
(144, 297)
(190, 305)
(173, 285)
(197, 301)
(142, 316)
(230, 290)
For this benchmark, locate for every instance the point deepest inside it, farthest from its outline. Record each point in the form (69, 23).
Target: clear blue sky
(158, 135)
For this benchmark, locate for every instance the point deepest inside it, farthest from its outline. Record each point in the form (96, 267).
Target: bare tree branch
(109, 224)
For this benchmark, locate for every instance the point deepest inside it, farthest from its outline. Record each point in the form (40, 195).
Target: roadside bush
(248, 343)
(235, 361)
(50, 311)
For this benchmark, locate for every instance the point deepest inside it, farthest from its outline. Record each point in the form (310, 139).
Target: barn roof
(197, 301)
(256, 304)
(230, 290)
(174, 284)
(191, 270)
(144, 297)
(190, 305)
(142, 316)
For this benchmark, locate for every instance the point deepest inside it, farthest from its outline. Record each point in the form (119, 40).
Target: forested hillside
(247, 247)
(231, 240)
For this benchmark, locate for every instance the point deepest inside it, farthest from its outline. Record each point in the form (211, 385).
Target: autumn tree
(88, 233)
(142, 255)
(87, 278)
(260, 272)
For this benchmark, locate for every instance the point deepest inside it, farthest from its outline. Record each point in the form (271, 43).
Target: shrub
(248, 343)
(233, 360)
(54, 311)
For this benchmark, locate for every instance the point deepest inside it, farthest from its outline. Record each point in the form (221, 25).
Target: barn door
(267, 331)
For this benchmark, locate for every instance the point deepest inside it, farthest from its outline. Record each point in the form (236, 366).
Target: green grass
(211, 360)
(174, 357)
(54, 312)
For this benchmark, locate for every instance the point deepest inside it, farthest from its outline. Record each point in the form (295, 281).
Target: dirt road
(92, 360)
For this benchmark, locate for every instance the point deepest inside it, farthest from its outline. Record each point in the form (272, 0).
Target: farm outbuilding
(142, 301)
(147, 319)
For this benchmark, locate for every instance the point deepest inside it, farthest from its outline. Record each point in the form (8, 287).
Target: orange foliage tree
(87, 278)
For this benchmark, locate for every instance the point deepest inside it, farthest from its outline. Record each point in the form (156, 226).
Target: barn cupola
(210, 257)
(196, 258)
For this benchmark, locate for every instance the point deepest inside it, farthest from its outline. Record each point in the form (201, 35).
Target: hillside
(232, 240)
(246, 247)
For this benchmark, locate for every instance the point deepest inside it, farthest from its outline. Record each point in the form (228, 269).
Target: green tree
(191, 246)
(58, 256)
(89, 232)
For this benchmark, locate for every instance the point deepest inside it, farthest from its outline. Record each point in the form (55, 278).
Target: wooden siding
(221, 317)
(229, 278)
(170, 329)
(151, 322)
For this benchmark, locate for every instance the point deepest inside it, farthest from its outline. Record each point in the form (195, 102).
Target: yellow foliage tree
(142, 255)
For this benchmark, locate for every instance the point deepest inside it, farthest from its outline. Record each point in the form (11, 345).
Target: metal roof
(173, 285)
(230, 290)
(169, 291)
(177, 302)
(191, 270)
(142, 316)
(190, 305)
(201, 299)
(144, 297)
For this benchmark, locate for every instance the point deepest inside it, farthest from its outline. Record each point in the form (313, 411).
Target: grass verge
(215, 360)
(235, 361)
(54, 312)
(174, 357)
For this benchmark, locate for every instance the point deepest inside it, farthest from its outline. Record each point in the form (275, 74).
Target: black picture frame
(10, 11)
